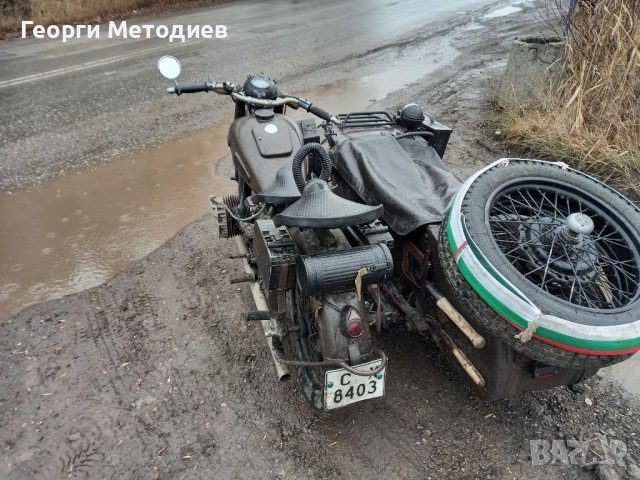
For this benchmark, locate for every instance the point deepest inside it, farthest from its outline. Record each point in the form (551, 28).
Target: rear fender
(335, 344)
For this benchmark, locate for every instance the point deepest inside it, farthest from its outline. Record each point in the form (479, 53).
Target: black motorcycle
(525, 275)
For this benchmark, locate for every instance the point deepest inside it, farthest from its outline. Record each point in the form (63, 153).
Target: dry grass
(593, 120)
(49, 12)
(66, 11)
(540, 133)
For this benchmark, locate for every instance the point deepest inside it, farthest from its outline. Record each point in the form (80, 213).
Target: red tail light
(354, 329)
(351, 322)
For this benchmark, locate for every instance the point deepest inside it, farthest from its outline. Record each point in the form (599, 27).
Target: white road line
(84, 66)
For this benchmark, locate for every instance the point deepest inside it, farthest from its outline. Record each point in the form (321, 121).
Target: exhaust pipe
(269, 327)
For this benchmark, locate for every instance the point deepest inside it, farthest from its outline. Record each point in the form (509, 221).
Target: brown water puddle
(77, 231)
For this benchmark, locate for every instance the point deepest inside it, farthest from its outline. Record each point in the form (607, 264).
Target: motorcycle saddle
(319, 207)
(406, 176)
(283, 190)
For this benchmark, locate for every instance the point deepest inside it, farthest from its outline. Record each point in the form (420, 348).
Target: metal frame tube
(269, 327)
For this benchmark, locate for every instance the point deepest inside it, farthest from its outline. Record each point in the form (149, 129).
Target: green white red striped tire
(561, 334)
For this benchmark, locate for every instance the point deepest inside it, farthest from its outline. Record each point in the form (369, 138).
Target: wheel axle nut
(580, 223)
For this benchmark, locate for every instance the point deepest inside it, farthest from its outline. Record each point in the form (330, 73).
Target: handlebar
(260, 102)
(227, 88)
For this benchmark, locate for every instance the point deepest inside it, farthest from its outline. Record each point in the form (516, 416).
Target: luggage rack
(366, 119)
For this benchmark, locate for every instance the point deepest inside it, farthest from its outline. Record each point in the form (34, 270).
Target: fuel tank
(261, 144)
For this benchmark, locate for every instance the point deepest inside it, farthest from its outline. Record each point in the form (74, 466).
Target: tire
(507, 254)
(304, 348)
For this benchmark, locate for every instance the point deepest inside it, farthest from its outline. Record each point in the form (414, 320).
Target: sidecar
(526, 275)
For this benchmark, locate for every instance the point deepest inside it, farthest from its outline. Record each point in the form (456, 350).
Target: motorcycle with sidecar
(525, 275)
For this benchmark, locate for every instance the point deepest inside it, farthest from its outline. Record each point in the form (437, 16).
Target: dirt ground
(157, 375)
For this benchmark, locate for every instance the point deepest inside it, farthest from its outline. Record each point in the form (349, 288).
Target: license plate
(343, 388)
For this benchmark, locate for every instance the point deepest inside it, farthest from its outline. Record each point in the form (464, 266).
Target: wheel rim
(566, 242)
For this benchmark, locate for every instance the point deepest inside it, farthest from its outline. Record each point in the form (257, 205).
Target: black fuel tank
(260, 147)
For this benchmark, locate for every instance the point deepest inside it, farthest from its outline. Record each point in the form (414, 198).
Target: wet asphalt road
(65, 106)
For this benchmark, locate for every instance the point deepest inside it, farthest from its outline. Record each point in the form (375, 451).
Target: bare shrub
(603, 67)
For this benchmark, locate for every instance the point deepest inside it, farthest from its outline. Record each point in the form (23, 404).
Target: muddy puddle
(77, 231)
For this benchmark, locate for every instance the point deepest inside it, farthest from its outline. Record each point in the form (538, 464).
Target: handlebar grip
(189, 88)
(320, 113)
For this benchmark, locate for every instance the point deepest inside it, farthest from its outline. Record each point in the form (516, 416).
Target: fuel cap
(264, 114)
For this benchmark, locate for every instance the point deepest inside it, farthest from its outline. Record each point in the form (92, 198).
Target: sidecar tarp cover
(406, 176)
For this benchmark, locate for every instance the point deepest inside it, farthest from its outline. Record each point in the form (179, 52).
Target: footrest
(258, 315)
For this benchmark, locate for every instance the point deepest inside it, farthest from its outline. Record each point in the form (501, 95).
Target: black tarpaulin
(406, 176)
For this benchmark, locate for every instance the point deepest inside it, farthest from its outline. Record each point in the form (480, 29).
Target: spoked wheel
(533, 236)
(305, 343)
(566, 244)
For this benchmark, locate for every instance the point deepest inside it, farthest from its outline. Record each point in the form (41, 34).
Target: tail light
(351, 324)
(355, 329)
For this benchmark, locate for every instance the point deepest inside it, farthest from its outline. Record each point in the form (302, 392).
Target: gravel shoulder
(157, 375)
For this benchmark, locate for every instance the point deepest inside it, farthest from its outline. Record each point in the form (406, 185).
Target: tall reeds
(593, 119)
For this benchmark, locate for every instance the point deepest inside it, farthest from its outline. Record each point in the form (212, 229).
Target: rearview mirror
(169, 67)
